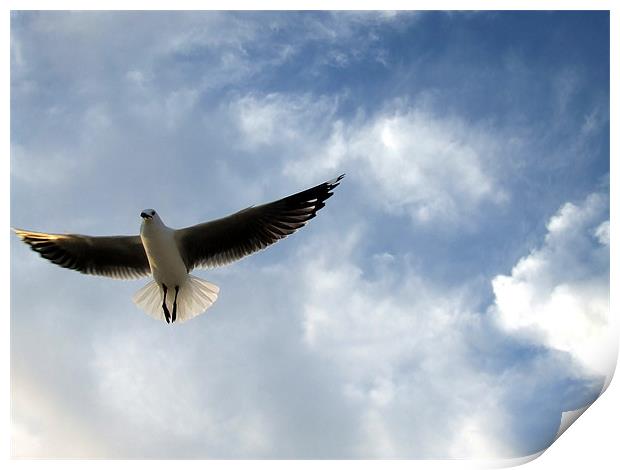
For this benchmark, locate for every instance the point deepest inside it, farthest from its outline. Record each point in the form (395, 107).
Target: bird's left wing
(228, 239)
(120, 257)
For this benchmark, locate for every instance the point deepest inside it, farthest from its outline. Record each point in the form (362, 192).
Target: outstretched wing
(121, 257)
(225, 240)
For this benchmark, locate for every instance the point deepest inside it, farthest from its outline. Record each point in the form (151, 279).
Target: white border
(591, 441)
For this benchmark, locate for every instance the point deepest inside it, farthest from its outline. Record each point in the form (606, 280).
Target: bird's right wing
(225, 240)
(121, 257)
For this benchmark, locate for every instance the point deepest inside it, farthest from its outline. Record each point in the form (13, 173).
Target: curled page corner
(608, 357)
(568, 418)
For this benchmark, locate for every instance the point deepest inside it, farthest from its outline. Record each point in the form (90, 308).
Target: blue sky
(449, 301)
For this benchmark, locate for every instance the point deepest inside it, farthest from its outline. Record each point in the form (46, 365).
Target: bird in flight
(169, 255)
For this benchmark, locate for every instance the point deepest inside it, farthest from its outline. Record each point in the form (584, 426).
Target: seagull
(169, 255)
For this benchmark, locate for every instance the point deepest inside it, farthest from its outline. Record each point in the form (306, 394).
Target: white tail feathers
(195, 296)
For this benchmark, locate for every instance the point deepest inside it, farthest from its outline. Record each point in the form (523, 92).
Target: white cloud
(400, 345)
(407, 159)
(432, 168)
(602, 233)
(276, 119)
(558, 295)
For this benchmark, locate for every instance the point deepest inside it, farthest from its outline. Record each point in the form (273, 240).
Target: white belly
(167, 266)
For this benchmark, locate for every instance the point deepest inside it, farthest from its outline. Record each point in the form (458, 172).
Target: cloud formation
(401, 346)
(433, 169)
(558, 295)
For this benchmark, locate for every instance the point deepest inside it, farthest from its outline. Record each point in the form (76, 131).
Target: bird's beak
(145, 216)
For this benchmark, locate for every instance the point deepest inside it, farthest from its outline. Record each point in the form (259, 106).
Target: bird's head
(148, 214)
